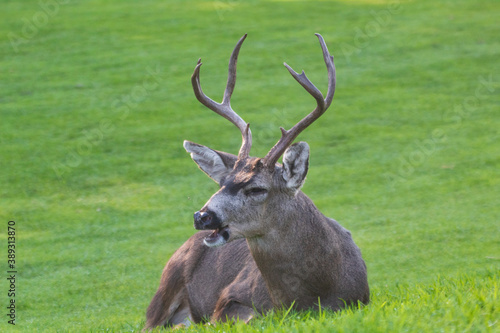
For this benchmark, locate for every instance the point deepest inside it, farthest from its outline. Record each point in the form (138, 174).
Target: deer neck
(295, 253)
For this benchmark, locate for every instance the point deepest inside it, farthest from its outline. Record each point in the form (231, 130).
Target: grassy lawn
(96, 100)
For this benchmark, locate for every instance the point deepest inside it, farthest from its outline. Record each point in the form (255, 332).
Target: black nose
(205, 220)
(202, 217)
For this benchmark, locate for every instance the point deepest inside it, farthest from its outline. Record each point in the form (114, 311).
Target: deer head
(255, 193)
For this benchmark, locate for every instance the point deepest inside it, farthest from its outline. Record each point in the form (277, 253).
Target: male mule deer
(263, 243)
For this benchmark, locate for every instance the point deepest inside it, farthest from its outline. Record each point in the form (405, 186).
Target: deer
(261, 242)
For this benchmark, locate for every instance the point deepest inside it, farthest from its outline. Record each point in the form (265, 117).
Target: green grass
(96, 100)
(466, 303)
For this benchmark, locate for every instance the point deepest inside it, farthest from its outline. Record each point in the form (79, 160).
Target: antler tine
(224, 109)
(287, 137)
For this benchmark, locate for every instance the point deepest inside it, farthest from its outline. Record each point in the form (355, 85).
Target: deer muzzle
(208, 220)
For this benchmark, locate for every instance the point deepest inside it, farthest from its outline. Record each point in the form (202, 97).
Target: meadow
(96, 100)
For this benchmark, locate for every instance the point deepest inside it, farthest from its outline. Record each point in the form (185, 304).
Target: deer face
(248, 190)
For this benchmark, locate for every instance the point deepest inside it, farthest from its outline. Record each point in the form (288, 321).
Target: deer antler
(224, 109)
(287, 137)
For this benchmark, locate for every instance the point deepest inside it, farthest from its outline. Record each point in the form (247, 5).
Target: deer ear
(216, 164)
(295, 165)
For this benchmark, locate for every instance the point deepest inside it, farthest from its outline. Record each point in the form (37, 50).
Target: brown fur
(213, 282)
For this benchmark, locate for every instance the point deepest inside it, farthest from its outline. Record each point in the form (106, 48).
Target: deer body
(311, 257)
(267, 244)
(201, 283)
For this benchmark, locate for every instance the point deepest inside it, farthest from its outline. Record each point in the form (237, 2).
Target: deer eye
(255, 191)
